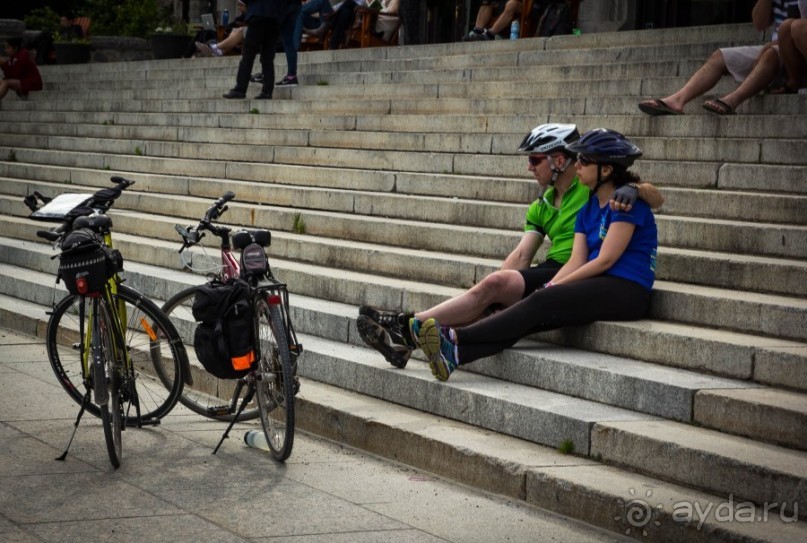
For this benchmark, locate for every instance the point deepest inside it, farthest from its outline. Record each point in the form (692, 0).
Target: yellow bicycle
(112, 349)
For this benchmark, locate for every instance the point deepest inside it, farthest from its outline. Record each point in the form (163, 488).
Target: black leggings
(599, 298)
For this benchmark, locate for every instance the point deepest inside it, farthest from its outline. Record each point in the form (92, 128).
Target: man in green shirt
(553, 215)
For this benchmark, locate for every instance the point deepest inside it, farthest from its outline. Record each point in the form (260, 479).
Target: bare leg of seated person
(700, 82)
(512, 10)
(12, 84)
(762, 75)
(793, 51)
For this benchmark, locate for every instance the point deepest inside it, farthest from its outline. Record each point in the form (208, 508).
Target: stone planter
(72, 53)
(170, 45)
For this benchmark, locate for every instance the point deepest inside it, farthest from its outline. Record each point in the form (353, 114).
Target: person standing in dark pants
(263, 28)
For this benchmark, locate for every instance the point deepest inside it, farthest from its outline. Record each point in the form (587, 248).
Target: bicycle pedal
(219, 411)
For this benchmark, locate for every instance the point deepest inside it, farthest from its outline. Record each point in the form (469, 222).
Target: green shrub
(137, 18)
(45, 19)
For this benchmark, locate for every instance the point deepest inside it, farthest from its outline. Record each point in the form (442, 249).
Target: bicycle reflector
(274, 299)
(81, 283)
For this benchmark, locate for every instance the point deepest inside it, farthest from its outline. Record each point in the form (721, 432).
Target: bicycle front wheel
(208, 396)
(148, 337)
(107, 363)
(275, 383)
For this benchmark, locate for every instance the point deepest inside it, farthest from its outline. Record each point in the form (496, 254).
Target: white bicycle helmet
(547, 138)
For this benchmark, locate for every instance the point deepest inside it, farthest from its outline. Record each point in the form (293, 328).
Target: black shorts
(537, 276)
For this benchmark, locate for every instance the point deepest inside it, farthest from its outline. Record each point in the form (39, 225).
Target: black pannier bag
(225, 337)
(86, 264)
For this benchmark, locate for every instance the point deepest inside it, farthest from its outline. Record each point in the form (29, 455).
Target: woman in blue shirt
(608, 277)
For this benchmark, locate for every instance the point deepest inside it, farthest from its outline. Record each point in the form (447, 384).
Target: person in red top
(20, 73)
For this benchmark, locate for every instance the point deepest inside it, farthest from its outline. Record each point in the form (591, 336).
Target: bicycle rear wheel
(154, 381)
(106, 353)
(208, 396)
(275, 383)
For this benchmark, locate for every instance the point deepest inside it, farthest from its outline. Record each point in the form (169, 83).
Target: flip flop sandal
(656, 107)
(718, 107)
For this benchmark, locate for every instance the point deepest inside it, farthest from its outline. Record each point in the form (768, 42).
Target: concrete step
(704, 458)
(310, 89)
(773, 415)
(737, 126)
(780, 151)
(769, 360)
(211, 67)
(730, 271)
(612, 105)
(675, 264)
(770, 207)
(691, 174)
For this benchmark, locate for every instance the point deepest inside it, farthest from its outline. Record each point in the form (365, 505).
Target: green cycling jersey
(544, 218)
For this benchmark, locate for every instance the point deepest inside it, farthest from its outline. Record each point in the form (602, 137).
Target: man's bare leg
(793, 51)
(504, 287)
(700, 82)
(765, 69)
(483, 15)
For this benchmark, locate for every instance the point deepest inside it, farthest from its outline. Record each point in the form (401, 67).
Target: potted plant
(72, 50)
(172, 41)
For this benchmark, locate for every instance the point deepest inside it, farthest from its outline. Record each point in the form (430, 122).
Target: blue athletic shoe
(414, 330)
(439, 348)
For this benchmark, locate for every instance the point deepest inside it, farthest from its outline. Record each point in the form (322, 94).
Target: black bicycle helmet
(548, 138)
(606, 147)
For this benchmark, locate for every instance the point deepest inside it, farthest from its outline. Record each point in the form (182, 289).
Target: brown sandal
(718, 107)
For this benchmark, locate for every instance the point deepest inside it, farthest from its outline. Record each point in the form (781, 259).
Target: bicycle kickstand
(84, 404)
(247, 398)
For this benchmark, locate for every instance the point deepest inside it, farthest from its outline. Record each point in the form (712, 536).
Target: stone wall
(11, 28)
(120, 48)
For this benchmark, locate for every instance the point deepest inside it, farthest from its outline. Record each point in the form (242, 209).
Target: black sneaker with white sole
(379, 339)
(396, 324)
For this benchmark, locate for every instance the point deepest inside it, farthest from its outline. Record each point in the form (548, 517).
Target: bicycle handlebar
(100, 201)
(193, 234)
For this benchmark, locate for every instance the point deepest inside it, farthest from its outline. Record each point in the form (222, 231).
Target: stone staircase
(401, 164)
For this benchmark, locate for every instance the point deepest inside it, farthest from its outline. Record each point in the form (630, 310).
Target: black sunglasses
(535, 160)
(584, 160)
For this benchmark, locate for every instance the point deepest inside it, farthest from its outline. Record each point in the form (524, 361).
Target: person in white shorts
(755, 67)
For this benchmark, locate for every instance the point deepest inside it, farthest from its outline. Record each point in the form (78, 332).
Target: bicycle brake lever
(30, 202)
(45, 199)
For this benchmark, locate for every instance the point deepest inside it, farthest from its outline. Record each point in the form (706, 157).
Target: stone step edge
(31, 129)
(492, 462)
(796, 228)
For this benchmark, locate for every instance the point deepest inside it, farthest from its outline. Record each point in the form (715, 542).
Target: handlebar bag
(86, 264)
